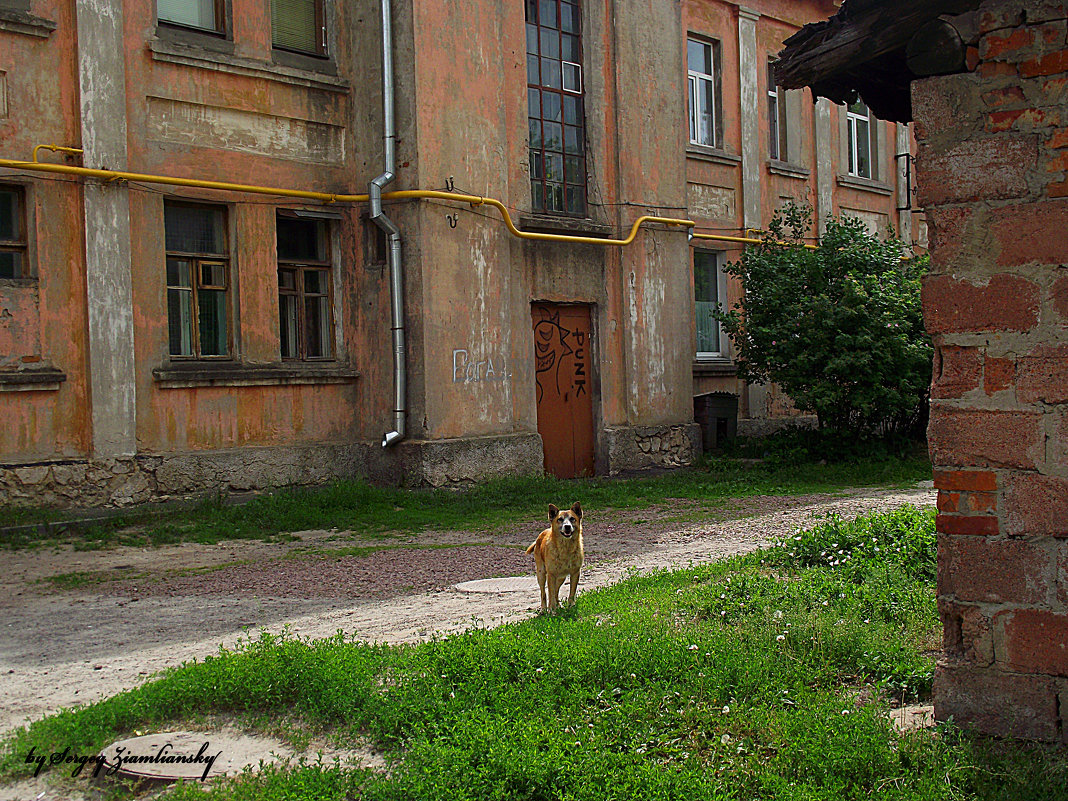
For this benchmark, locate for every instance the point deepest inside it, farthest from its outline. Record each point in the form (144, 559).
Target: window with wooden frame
(204, 15)
(555, 107)
(198, 281)
(14, 245)
(778, 132)
(299, 26)
(704, 91)
(305, 288)
(860, 125)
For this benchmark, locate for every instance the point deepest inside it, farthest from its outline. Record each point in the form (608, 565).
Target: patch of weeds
(764, 676)
(483, 509)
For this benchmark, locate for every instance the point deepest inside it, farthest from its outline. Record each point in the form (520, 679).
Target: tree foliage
(839, 328)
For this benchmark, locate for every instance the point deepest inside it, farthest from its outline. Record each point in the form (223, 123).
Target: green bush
(838, 327)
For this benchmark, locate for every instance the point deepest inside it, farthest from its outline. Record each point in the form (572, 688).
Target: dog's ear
(577, 510)
(553, 511)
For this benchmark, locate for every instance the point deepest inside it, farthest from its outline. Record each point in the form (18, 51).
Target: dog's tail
(533, 545)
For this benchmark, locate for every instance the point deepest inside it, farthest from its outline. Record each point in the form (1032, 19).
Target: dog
(558, 554)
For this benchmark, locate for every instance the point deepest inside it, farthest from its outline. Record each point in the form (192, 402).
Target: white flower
(726, 738)
(726, 709)
(778, 614)
(692, 648)
(781, 637)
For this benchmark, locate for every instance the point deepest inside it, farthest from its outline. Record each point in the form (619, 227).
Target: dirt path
(79, 626)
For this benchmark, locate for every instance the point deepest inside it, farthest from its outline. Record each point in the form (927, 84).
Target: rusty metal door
(563, 372)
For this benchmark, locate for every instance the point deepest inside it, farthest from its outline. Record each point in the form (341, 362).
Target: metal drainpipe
(396, 268)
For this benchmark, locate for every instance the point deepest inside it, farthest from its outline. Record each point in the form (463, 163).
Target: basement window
(198, 281)
(556, 117)
(13, 241)
(305, 289)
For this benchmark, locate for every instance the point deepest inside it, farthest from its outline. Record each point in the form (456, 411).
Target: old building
(754, 146)
(988, 99)
(199, 296)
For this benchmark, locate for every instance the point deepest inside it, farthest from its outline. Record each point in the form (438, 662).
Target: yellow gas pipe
(325, 197)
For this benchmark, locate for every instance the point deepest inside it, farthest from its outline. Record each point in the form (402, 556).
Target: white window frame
(695, 81)
(723, 354)
(853, 121)
(778, 128)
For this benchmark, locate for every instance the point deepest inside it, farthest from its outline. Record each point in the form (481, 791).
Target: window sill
(307, 62)
(201, 57)
(712, 154)
(723, 367)
(579, 226)
(194, 38)
(18, 282)
(788, 170)
(200, 374)
(23, 22)
(865, 184)
(40, 379)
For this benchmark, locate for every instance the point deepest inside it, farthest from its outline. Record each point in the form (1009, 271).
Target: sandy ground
(139, 611)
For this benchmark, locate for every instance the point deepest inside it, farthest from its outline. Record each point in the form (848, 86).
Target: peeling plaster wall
(47, 325)
(139, 95)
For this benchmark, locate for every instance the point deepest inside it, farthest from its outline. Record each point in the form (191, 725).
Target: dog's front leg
(555, 583)
(574, 585)
(541, 585)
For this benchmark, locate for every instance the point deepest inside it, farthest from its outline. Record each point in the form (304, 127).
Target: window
(13, 244)
(777, 118)
(704, 89)
(306, 323)
(207, 15)
(859, 124)
(709, 291)
(299, 25)
(555, 107)
(198, 281)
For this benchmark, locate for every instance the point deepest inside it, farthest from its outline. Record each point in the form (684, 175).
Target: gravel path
(143, 610)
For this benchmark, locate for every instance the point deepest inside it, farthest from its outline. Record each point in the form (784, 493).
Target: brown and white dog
(558, 553)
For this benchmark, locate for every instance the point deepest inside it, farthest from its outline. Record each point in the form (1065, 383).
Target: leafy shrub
(839, 328)
(797, 445)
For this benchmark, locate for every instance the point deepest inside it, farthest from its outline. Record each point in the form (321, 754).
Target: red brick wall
(993, 175)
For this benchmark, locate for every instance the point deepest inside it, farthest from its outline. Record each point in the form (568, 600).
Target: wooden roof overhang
(875, 49)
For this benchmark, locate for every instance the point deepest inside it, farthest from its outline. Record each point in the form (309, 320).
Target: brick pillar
(993, 177)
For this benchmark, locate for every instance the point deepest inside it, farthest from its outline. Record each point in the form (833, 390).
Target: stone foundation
(149, 478)
(644, 447)
(153, 478)
(451, 462)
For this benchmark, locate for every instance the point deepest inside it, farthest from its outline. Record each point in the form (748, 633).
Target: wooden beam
(935, 49)
(848, 40)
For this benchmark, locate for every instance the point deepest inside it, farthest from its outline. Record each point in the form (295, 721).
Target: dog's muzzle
(567, 530)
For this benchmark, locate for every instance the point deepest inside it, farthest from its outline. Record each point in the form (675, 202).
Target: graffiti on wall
(466, 370)
(554, 342)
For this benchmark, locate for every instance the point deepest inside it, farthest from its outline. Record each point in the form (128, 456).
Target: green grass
(382, 512)
(763, 677)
